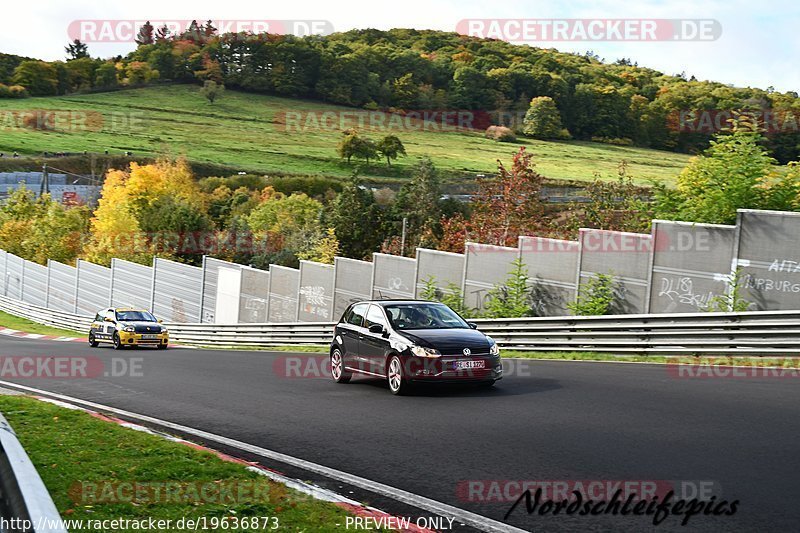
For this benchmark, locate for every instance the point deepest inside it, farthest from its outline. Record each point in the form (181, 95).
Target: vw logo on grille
(467, 351)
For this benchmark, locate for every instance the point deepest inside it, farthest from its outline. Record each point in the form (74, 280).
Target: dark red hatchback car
(411, 341)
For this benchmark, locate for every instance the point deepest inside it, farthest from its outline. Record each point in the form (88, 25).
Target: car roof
(384, 303)
(129, 309)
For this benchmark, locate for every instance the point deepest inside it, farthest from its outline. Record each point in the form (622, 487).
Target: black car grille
(147, 329)
(460, 351)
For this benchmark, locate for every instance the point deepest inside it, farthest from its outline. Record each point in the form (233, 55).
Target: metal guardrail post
(24, 496)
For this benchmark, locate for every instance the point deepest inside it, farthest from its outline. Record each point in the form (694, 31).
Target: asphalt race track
(564, 421)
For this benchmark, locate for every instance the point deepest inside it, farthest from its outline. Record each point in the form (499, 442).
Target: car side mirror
(473, 325)
(376, 328)
(160, 321)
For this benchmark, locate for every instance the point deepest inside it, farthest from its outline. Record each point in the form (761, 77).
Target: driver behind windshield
(404, 317)
(135, 316)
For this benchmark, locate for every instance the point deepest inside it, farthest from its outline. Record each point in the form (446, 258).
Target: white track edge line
(466, 517)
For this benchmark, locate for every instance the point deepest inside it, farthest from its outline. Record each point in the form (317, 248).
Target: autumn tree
(283, 214)
(730, 175)
(143, 209)
(145, 34)
(507, 205)
(543, 120)
(353, 145)
(105, 77)
(139, 72)
(38, 229)
(323, 248)
(390, 147)
(38, 77)
(289, 226)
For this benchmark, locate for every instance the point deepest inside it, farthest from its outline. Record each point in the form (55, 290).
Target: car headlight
(129, 329)
(421, 351)
(494, 349)
(163, 329)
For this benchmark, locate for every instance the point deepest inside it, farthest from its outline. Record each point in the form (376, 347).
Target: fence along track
(752, 333)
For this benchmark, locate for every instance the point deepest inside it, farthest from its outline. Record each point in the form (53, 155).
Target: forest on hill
(398, 70)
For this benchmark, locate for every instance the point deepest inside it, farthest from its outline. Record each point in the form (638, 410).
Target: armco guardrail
(23, 496)
(751, 333)
(42, 315)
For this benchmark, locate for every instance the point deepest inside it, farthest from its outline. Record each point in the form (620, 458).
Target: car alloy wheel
(117, 342)
(337, 367)
(92, 341)
(397, 385)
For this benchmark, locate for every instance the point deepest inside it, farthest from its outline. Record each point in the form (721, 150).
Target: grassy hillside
(244, 130)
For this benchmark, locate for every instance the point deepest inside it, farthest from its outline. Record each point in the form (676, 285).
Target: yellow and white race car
(127, 327)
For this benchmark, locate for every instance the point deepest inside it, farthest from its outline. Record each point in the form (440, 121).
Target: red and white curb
(8, 332)
(319, 493)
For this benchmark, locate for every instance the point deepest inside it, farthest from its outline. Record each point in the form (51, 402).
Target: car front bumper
(443, 369)
(143, 339)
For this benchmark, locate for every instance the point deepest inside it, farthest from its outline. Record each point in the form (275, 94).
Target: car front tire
(117, 342)
(339, 374)
(92, 341)
(398, 385)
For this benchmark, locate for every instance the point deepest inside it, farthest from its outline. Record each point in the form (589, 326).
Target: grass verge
(75, 453)
(29, 326)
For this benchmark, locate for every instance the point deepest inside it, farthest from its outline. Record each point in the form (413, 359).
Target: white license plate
(149, 337)
(465, 365)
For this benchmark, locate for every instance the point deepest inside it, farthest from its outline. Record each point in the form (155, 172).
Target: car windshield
(135, 316)
(423, 316)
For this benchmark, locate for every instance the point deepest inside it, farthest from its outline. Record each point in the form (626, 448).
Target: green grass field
(28, 326)
(88, 466)
(248, 132)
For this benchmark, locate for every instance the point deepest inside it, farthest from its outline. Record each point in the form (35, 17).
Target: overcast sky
(759, 45)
